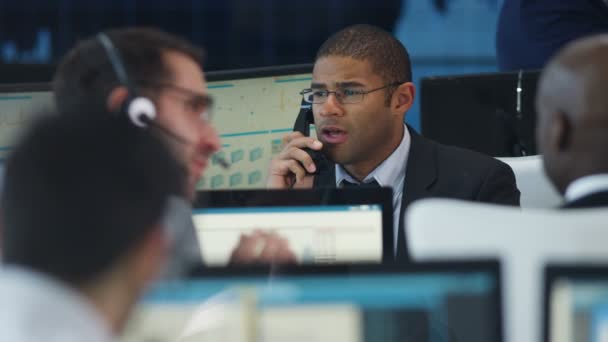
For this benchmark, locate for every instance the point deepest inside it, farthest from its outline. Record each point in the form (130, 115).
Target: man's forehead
(333, 71)
(183, 66)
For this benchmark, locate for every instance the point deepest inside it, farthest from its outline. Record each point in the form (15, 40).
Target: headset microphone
(147, 122)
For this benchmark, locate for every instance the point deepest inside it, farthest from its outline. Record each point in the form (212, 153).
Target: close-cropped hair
(386, 55)
(81, 191)
(85, 76)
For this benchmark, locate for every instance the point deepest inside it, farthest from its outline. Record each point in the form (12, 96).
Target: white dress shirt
(585, 186)
(390, 173)
(35, 308)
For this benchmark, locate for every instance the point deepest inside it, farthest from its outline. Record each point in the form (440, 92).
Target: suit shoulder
(475, 176)
(464, 158)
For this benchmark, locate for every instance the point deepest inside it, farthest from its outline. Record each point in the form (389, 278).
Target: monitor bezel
(14, 73)
(26, 87)
(490, 265)
(248, 73)
(307, 197)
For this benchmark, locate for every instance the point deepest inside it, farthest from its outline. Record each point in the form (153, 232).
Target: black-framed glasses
(193, 101)
(344, 95)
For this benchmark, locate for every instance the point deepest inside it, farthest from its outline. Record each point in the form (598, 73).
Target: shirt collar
(389, 171)
(586, 186)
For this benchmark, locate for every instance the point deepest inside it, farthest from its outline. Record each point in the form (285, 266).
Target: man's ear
(116, 98)
(403, 98)
(560, 132)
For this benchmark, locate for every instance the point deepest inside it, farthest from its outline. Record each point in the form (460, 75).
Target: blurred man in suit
(530, 32)
(572, 128)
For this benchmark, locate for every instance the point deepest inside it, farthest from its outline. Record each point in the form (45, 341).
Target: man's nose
(331, 106)
(211, 138)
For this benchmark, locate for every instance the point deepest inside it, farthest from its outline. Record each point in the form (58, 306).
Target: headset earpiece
(141, 111)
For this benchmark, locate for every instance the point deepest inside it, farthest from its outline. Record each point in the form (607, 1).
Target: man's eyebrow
(347, 84)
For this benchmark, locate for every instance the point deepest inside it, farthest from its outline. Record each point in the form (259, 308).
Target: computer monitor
(320, 225)
(575, 303)
(254, 109)
(19, 104)
(427, 302)
(490, 113)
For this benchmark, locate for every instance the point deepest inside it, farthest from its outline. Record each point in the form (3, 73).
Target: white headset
(140, 110)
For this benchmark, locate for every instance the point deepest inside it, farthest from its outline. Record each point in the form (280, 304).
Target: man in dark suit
(530, 32)
(572, 129)
(361, 89)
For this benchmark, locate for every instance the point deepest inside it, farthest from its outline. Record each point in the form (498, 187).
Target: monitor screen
(19, 103)
(490, 113)
(576, 303)
(254, 109)
(423, 303)
(320, 225)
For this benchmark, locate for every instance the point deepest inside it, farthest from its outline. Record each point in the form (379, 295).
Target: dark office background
(443, 36)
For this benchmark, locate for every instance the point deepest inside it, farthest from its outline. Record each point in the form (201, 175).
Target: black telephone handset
(302, 125)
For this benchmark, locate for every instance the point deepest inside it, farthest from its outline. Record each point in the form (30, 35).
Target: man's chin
(336, 156)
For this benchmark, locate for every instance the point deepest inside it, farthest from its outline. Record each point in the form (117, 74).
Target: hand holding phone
(303, 121)
(301, 157)
(294, 167)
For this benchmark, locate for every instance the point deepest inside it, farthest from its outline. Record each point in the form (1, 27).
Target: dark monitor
(19, 104)
(490, 113)
(320, 225)
(427, 302)
(575, 303)
(254, 109)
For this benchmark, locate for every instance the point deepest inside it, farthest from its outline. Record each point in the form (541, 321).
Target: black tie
(402, 253)
(372, 184)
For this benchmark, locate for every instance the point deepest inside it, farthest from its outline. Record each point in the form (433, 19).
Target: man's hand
(291, 168)
(262, 247)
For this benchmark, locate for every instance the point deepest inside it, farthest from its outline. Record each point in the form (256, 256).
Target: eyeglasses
(193, 101)
(343, 95)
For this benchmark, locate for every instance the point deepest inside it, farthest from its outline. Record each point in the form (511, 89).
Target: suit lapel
(420, 174)
(421, 170)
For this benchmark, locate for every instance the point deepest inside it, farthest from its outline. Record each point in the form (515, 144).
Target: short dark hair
(85, 76)
(80, 191)
(387, 56)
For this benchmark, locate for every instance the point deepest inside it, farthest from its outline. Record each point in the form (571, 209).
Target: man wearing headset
(57, 201)
(168, 71)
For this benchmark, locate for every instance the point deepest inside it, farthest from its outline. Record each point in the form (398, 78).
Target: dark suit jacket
(598, 199)
(435, 170)
(531, 31)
